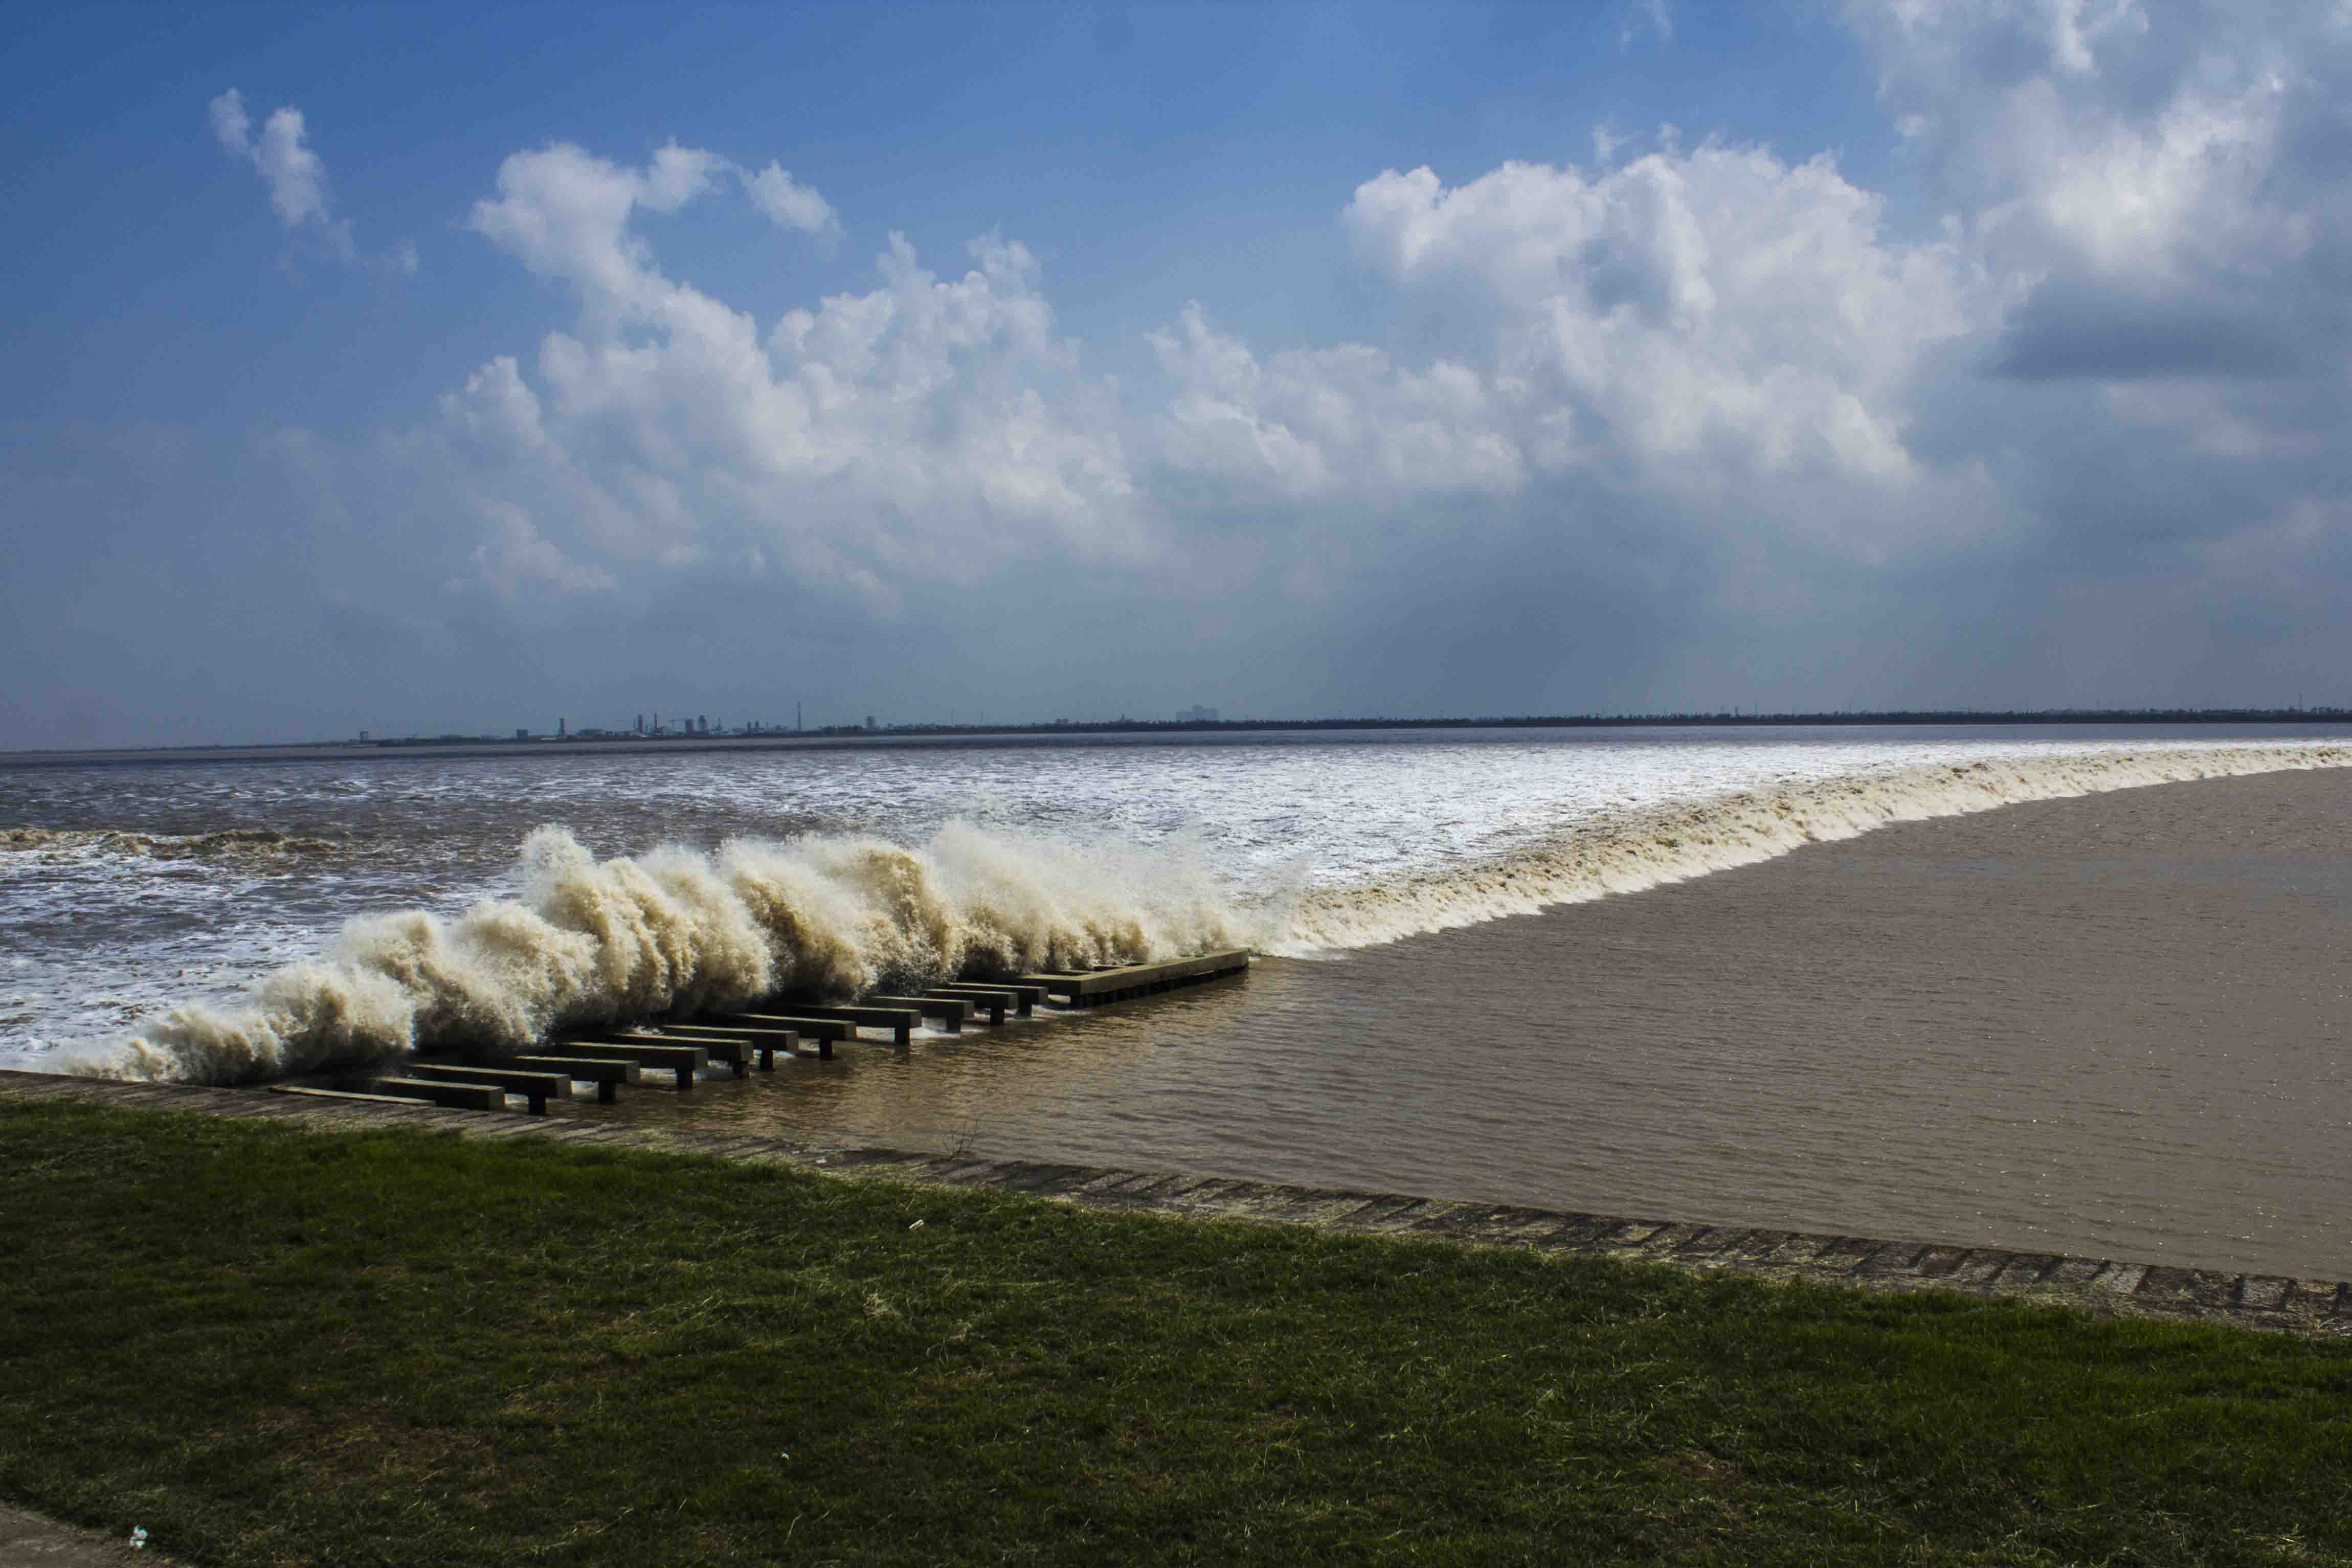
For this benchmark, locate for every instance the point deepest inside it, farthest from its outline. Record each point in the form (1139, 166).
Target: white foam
(597, 941)
(1648, 847)
(628, 938)
(231, 844)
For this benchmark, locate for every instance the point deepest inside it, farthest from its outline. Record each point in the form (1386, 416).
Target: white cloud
(1718, 305)
(2160, 200)
(790, 203)
(1307, 425)
(515, 559)
(1720, 371)
(232, 126)
(1715, 327)
(295, 174)
(1652, 15)
(2110, 142)
(926, 428)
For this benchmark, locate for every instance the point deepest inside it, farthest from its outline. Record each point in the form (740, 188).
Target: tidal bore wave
(598, 942)
(1648, 848)
(629, 938)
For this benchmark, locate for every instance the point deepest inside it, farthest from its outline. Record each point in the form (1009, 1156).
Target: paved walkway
(2321, 1308)
(28, 1540)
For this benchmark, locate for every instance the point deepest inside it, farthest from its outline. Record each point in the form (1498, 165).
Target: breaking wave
(630, 938)
(1648, 848)
(235, 844)
(595, 942)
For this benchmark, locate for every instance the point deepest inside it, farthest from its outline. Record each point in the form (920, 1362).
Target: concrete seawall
(2317, 1308)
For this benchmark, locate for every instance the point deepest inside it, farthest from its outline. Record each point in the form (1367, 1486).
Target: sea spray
(1647, 848)
(630, 938)
(609, 940)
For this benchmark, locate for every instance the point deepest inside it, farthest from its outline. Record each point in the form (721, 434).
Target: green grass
(267, 1346)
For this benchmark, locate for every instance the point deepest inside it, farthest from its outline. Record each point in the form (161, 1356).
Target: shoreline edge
(2311, 1308)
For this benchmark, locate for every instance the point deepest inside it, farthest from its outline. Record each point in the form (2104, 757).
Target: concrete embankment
(2320, 1308)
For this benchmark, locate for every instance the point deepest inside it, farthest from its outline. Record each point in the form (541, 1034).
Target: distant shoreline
(606, 745)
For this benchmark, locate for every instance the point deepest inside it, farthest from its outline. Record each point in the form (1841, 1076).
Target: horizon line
(758, 736)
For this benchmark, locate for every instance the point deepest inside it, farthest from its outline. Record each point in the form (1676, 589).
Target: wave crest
(1647, 848)
(607, 940)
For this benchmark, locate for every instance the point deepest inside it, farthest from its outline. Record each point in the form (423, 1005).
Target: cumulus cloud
(923, 428)
(515, 558)
(1306, 425)
(1716, 360)
(2044, 428)
(1712, 327)
(2105, 344)
(1720, 300)
(2177, 173)
(790, 203)
(295, 174)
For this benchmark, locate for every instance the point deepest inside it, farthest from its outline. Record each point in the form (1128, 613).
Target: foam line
(1648, 848)
(624, 939)
(233, 843)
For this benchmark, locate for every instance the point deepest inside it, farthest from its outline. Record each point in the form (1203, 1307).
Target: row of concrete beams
(830, 1023)
(740, 1039)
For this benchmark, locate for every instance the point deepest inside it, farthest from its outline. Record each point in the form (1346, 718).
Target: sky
(439, 369)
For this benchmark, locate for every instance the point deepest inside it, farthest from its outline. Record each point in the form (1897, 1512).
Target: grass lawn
(268, 1345)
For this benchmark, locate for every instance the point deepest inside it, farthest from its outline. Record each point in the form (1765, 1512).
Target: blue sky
(1070, 361)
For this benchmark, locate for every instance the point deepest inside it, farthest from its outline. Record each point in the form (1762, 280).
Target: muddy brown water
(2111, 1025)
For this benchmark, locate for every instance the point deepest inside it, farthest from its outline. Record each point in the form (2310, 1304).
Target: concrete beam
(536, 1088)
(992, 1003)
(462, 1096)
(901, 1022)
(829, 1030)
(735, 1053)
(770, 1041)
(684, 1060)
(607, 1075)
(951, 1014)
(310, 1093)
(1027, 996)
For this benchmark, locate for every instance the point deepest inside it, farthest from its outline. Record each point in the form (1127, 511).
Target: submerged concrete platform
(1092, 988)
(2106, 1287)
